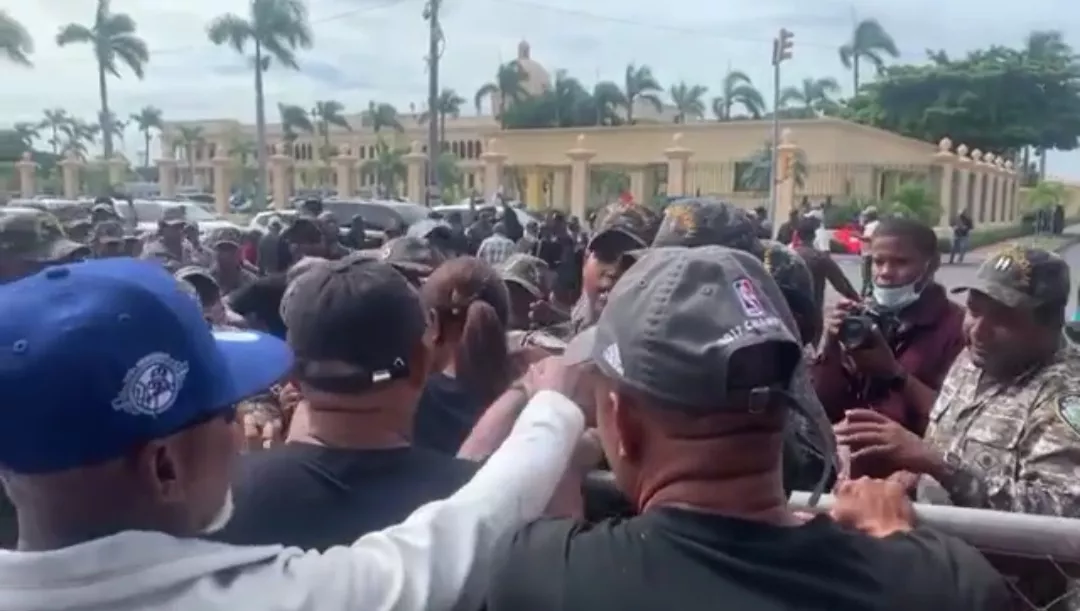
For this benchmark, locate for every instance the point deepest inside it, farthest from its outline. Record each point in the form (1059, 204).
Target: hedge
(993, 235)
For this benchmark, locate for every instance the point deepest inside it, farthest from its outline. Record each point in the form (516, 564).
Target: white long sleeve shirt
(436, 560)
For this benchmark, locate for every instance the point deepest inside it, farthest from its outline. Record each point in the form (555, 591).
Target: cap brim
(523, 283)
(608, 234)
(1004, 295)
(61, 250)
(580, 349)
(253, 363)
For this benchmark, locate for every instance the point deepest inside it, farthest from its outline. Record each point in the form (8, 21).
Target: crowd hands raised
(418, 430)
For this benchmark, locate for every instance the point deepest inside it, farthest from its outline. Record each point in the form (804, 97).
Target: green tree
(147, 120)
(54, 122)
(1047, 46)
(77, 135)
(15, 42)
(689, 101)
(607, 98)
(448, 104)
(325, 114)
(387, 167)
(870, 42)
(27, 133)
(275, 29)
(379, 116)
(450, 176)
(115, 126)
(640, 84)
(813, 97)
(997, 99)
(114, 42)
(508, 87)
(755, 172)
(1045, 195)
(188, 139)
(738, 90)
(914, 200)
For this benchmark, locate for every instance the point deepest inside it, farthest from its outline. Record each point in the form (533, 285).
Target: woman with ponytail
(468, 306)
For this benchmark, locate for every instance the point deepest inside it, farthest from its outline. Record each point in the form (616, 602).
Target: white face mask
(897, 298)
(222, 517)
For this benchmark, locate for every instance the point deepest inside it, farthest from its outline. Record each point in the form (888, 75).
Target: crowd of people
(510, 417)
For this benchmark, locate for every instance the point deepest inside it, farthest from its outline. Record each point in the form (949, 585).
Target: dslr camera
(857, 327)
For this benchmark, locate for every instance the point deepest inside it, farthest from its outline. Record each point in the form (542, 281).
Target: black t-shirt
(445, 415)
(679, 559)
(314, 497)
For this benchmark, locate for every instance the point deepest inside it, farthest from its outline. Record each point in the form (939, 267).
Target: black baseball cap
(704, 222)
(675, 320)
(1023, 277)
(353, 324)
(634, 222)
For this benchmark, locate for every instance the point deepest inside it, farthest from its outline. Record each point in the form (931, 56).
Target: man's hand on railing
(878, 508)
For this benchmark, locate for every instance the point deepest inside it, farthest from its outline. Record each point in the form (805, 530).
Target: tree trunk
(855, 74)
(1042, 164)
(106, 118)
(260, 131)
(629, 110)
(146, 154)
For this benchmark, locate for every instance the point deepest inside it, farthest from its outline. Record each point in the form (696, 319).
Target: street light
(781, 50)
(435, 41)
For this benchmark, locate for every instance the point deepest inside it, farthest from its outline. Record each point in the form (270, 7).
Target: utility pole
(781, 51)
(434, 147)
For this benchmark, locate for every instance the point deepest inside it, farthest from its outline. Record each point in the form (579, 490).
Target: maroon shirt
(930, 337)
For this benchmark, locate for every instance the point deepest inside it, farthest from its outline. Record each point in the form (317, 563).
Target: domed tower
(537, 80)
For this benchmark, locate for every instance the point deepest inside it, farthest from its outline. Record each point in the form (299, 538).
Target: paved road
(955, 275)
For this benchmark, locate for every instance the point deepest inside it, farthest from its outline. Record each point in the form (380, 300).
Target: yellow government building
(820, 159)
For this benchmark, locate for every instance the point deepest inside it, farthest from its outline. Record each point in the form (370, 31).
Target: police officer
(107, 240)
(229, 269)
(1005, 430)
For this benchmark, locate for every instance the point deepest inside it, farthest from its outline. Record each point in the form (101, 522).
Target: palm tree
(147, 119)
(754, 173)
(114, 126)
(324, 114)
(607, 99)
(54, 122)
(188, 139)
(27, 133)
(76, 135)
(380, 115)
(15, 41)
(738, 90)
(639, 84)
(387, 167)
(688, 101)
(871, 42)
(448, 105)
(811, 98)
(509, 86)
(275, 29)
(112, 37)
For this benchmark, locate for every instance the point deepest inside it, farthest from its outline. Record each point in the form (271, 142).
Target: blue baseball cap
(101, 356)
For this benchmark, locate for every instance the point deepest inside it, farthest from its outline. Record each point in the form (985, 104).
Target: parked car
(469, 214)
(377, 214)
(144, 215)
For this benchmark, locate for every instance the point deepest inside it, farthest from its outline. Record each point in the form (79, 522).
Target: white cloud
(373, 49)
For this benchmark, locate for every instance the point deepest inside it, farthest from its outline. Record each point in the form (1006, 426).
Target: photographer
(891, 352)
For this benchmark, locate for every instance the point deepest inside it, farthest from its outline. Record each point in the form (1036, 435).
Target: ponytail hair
(469, 294)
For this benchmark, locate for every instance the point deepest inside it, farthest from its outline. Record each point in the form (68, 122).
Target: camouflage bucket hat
(36, 237)
(708, 222)
(1023, 277)
(173, 216)
(530, 272)
(625, 218)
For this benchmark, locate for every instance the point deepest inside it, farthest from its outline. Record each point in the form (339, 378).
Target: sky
(373, 49)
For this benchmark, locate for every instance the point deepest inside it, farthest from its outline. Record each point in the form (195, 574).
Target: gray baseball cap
(1023, 277)
(675, 320)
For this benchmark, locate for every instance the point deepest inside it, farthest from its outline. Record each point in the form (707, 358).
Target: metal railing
(1038, 555)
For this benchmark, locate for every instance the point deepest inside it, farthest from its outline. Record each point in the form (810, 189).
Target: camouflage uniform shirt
(1010, 448)
(156, 250)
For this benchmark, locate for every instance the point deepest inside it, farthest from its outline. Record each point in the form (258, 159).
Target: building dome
(538, 80)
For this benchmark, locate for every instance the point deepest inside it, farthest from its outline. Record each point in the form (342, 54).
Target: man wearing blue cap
(117, 447)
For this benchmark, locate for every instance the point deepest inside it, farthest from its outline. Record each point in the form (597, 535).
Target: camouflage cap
(787, 268)
(35, 237)
(79, 230)
(173, 216)
(412, 255)
(708, 222)
(626, 218)
(107, 232)
(1022, 277)
(530, 272)
(225, 235)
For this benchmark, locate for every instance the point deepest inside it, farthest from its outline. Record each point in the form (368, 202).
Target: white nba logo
(748, 298)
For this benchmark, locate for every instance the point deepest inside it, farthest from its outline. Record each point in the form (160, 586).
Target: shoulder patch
(1068, 409)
